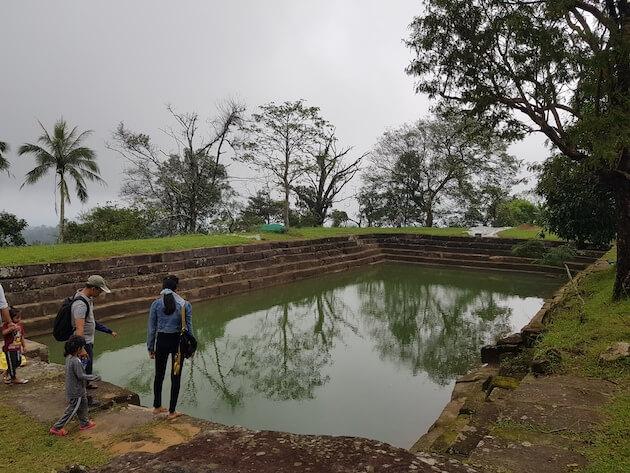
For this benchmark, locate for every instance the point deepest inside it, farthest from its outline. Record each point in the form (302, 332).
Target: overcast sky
(99, 63)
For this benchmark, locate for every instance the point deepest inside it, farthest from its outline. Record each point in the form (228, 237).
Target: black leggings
(166, 345)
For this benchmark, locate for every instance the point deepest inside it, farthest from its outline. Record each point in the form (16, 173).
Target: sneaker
(58, 432)
(90, 425)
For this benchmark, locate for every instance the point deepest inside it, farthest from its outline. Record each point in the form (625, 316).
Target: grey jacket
(76, 379)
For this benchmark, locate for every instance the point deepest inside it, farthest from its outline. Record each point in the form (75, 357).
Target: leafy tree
(280, 139)
(577, 205)
(432, 163)
(63, 153)
(4, 162)
(516, 212)
(558, 67)
(11, 229)
(339, 217)
(261, 208)
(109, 222)
(483, 206)
(371, 203)
(185, 187)
(325, 178)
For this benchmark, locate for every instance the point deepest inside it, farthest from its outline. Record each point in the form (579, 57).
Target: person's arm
(6, 316)
(104, 328)
(4, 307)
(189, 326)
(23, 337)
(7, 328)
(152, 328)
(79, 326)
(79, 312)
(79, 372)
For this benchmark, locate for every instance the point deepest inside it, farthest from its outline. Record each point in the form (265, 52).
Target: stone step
(42, 324)
(469, 250)
(57, 292)
(470, 239)
(55, 295)
(20, 284)
(93, 265)
(577, 266)
(520, 267)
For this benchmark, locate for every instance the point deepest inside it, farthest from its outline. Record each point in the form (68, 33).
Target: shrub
(578, 205)
(109, 222)
(11, 228)
(558, 256)
(516, 212)
(530, 249)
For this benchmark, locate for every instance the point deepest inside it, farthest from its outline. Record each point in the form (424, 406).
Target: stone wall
(207, 273)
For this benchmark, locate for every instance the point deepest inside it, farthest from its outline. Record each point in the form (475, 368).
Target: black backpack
(62, 328)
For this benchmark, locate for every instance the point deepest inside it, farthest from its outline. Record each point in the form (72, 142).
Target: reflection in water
(430, 327)
(371, 352)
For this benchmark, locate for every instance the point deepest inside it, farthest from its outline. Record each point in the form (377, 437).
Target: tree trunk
(428, 221)
(286, 205)
(622, 201)
(62, 211)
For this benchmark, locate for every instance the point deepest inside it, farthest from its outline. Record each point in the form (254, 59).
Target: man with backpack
(82, 317)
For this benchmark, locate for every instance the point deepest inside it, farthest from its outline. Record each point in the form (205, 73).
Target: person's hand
(114, 334)
(152, 355)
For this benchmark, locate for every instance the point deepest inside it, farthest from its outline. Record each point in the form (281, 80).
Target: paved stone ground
(487, 232)
(538, 427)
(142, 442)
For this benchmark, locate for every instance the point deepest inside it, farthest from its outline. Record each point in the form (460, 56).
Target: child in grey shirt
(76, 393)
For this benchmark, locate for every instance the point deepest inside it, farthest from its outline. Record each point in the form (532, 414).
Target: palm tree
(62, 153)
(4, 162)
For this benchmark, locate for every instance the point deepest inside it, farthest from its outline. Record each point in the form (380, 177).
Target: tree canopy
(63, 153)
(11, 229)
(427, 168)
(558, 67)
(279, 140)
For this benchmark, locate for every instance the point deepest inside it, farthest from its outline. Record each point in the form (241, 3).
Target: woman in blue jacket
(164, 328)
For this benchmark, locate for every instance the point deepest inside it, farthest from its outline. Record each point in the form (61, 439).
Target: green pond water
(372, 352)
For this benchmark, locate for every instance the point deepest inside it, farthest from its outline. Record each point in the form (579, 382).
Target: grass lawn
(102, 249)
(27, 446)
(320, 232)
(580, 344)
(527, 232)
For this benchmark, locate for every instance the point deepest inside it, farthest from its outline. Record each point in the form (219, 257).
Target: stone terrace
(207, 273)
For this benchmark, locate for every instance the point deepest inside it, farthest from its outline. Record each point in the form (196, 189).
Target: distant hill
(42, 235)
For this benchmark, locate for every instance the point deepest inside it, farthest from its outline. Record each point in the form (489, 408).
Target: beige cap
(98, 281)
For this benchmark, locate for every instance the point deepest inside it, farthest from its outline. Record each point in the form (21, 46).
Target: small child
(76, 392)
(13, 334)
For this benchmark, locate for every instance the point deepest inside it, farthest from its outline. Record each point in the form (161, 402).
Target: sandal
(173, 415)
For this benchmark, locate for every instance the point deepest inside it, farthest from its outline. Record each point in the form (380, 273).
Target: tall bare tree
(186, 185)
(326, 176)
(63, 153)
(279, 140)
